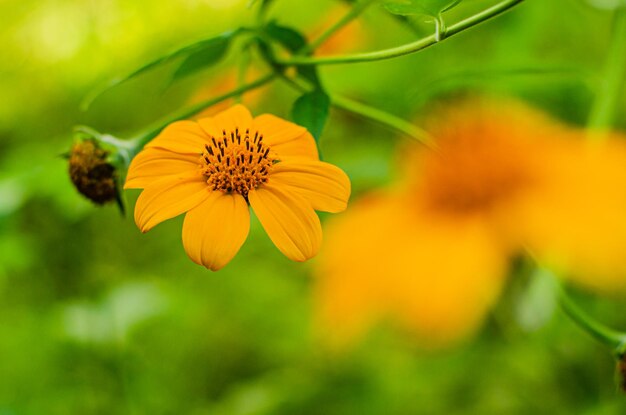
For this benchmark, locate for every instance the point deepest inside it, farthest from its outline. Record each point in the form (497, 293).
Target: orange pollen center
(236, 162)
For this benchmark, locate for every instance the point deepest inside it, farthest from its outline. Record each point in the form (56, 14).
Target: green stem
(144, 138)
(614, 339)
(384, 118)
(603, 110)
(354, 12)
(409, 48)
(371, 113)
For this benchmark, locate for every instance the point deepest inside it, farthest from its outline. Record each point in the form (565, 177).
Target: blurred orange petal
(574, 222)
(384, 259)
(350, 37)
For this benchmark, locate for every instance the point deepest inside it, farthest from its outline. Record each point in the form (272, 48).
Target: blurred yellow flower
(575, 222)
(432, 252)
(214, 168)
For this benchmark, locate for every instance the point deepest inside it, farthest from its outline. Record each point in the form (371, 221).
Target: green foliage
(290, 38)
(203, 55)
(196, 56)
(294, 41)
(311, 111)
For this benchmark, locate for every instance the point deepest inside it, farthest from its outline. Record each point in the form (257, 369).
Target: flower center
(236, 161)
(477, 170)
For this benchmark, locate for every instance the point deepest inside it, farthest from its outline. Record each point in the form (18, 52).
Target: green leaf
(203, 52)
(206, 53)
(290, 38)
(425, 7)
(311, 111)
(294, 41)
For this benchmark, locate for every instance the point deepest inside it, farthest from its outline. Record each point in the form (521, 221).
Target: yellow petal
(384, 260)
(289, 220)
(236, 117)
(574, 221)
(286, 139)
(325, 186)
(169, 197)
(214, 231)
(449, 273)
(152, 164)
(181, 137)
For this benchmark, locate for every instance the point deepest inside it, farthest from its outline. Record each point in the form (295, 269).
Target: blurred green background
(96, 318)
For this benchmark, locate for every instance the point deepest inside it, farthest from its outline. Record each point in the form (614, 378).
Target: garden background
(97, 318)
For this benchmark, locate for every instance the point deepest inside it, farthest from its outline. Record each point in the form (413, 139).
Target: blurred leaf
(427, 7)
(113, 318)
(490, 76)
(197, 55)
(208, 53)
(311, 111)
(290, 38)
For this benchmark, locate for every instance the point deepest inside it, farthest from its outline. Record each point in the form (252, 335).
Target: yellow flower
(214, 168)
(433, 252)
(575, 223)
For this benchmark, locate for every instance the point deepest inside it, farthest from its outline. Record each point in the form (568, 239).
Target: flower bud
(92, 174)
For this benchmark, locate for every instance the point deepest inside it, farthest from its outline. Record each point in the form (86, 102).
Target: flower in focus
(433, 252)
(214, 168)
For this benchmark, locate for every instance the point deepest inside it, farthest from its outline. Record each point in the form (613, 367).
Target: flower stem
(409, 48)
(144, 138)
(371, 113)
(354, 12)
(603, 110)
(614, 339)
(384, 118)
